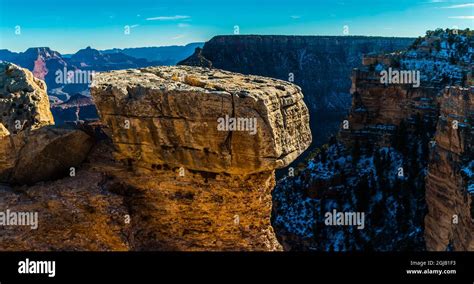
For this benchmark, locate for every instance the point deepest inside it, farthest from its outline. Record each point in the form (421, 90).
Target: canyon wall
(397, 158)
(449, 191)
(320, 65)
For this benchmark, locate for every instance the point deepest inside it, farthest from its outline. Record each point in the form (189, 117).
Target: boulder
(202, 119)
(44, 154)
(50, 153)
(30, 151)
(199, 182)
(24, 103)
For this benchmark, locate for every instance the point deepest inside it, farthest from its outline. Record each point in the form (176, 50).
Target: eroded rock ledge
(161, 175)
(169, 115)
(202, 187)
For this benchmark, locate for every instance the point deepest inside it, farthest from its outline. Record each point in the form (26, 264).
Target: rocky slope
(390, 150)
(321, 65)
(163, 175)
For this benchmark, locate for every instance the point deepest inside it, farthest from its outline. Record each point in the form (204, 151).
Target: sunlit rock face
(200, 183)
(24, 104)
(177, 177)
(30, 150)
(320, 65)
(183, 116)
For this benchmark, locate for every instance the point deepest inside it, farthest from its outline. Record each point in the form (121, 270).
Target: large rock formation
(449, 224)
(211, 184)
(164, 174)
(392, 147)
(320, 65)
(172, 116)
(24, 103)
(30, 151)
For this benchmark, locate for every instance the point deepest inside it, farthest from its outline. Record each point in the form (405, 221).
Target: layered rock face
(321, 65)
(397, 142)
(203, 184)
(183, 117)
(449, 224)
(378, 110)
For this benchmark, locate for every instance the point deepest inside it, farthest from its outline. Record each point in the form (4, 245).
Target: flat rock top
(178, 115)
(185, 78)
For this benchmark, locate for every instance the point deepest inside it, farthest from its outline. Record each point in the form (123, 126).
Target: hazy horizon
(185, 44)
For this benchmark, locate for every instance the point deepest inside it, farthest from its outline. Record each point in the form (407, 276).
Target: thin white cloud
(459, 6)
(434, 2)
(134, 26)
(168, 18)
(462, 17)
(183, 25)
(177, 37)
(295, 17)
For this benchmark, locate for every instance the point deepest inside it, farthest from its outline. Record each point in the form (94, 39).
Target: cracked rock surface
(23, 100)
(160, 175)
(30, 150)
(170, 115)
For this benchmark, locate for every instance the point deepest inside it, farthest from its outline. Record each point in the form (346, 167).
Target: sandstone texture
(169, 115)
(74, 213)
(3, 131)
(30, 150)
(449, 223)
(24, 103)
(198, 211)
(158, 174)
(197, 186)
(320, 65)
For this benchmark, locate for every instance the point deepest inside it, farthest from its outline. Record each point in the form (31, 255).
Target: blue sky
(67, 26)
